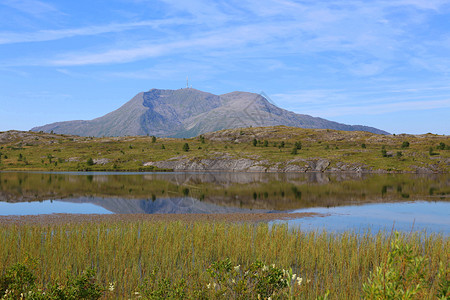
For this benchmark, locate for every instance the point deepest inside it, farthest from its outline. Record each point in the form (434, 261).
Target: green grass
(127, 252)
(40, 151)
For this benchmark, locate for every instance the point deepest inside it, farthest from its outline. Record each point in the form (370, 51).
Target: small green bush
(18, 282)
(90, 161)
(403, 275)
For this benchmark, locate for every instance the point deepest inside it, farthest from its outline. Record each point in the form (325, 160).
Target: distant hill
(188, 112)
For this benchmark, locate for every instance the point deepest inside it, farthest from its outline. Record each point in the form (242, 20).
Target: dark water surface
(350, 201)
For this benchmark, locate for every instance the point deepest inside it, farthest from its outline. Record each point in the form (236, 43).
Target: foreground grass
(128, 253)
(268, 146)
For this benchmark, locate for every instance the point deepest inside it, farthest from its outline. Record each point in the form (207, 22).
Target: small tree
(162, 147)
(405, 145)
(282, 144)
(383, 151)
(363, 146)
(202, 139)
(298, 145)
(294, 151)
(90, 161)
(266, 143)
(186, 147)
(153, 139)
(430, 151)
(255, 142)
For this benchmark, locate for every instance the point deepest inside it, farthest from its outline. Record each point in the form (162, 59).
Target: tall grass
(126, 252)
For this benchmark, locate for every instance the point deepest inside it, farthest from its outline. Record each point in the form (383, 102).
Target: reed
(127, 252)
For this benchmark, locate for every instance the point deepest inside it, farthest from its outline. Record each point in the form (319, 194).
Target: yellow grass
(125, 252)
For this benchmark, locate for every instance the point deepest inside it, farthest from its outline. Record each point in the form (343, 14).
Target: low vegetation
(270, 145)
(215, 260)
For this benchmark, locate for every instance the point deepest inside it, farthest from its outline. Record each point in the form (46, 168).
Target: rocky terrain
(256, 149)
(186, 113)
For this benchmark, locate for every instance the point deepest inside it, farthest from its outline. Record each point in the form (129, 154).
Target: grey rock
(190, 112)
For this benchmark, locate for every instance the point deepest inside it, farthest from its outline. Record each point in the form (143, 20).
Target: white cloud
(31, 7)
(50, 35)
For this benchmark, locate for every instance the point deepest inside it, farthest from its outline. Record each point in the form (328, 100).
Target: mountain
(184, 205)
(189, 112)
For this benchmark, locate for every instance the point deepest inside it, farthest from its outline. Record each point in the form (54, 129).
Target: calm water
(348, 201)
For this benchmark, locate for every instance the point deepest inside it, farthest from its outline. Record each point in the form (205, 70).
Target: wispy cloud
(31, 7)
(371, 101)
(50, 35)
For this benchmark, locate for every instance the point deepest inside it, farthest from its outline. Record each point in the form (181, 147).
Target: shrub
(266, 143)
(294, 151)
(153, 139)
(298, 145)
(90, 161)
(402, 275)
(18, 282)
(257, 281)
(383, 151)
(363, 146)
(431, 152)
(441, 146)
(186, 147)
(405, 145)
(255, 142)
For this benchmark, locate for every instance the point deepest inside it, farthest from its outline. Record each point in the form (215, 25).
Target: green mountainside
(186, 113)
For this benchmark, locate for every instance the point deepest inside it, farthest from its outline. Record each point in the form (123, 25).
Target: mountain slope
(190, 112)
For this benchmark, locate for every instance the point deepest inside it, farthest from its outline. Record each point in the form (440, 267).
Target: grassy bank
(267, 146)
(131, 253)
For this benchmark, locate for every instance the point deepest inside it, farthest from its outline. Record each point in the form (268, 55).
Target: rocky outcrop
(227, 163)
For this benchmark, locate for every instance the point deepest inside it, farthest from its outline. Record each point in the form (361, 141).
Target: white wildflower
(293, 276)
(299, 280)
(273, 266)
(111, 286)
(237, 268)
(208, 286)
(265, 268)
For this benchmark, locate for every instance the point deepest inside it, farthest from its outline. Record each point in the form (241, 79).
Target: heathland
(264, 149)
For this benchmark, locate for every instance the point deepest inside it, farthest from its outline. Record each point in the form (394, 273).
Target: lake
(343, 201)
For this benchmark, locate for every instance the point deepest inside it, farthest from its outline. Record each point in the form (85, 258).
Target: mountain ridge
(188, 112)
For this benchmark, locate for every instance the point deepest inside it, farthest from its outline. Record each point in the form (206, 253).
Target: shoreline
(59, 218)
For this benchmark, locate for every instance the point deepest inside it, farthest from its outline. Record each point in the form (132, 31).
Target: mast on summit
(187, 82)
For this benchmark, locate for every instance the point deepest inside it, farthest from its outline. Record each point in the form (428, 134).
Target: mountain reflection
(220, 192)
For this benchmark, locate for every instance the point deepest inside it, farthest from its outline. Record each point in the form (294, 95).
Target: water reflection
(220, 192)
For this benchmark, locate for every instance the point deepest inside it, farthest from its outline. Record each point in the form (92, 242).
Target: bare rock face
(101, 161)
(189, 112)
(240, 164)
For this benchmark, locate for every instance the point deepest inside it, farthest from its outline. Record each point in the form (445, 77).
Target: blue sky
(378, 63)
